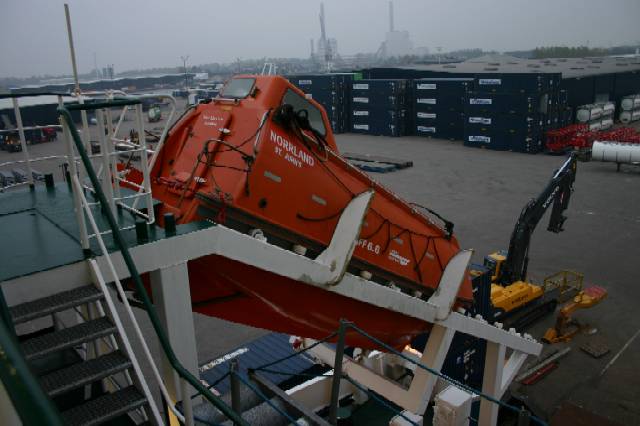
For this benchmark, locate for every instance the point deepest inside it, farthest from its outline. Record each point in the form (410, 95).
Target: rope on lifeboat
(210, 162)
(299, 123)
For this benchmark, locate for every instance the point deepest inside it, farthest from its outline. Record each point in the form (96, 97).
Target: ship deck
(39, 232)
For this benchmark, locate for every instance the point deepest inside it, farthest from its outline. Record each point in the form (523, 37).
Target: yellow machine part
(565, 327)
(515, 295)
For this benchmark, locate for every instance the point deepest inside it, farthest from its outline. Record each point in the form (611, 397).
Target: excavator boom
(556, 193)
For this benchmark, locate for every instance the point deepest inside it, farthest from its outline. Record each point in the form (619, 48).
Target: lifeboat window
(238, 88)
(299, 103)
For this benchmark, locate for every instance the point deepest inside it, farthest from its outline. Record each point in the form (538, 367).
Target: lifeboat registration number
(369, 246)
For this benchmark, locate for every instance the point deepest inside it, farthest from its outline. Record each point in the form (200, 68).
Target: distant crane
(184, 64)
(326, 46)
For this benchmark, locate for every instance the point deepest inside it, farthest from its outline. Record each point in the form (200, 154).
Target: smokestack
(390, 16)
(311, 44)
(323, 35)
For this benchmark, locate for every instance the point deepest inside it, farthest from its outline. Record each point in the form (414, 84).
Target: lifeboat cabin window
(299, 103)
(238, 88)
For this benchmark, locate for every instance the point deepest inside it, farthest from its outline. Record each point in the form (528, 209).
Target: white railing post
(154, 156)
(113, 158)
(144, 163)
(23, 140)
(165, 131)
(105, 153)
(85, 134)
(73, 174)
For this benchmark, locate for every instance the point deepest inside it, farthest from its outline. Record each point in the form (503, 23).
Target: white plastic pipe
(615, 152)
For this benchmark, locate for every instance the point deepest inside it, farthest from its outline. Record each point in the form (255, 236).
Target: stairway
(84, 377)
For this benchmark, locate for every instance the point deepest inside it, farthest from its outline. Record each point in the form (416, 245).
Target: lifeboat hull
(246, 164)
(245, 294)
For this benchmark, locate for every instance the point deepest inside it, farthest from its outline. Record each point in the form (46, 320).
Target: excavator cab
(494, 263)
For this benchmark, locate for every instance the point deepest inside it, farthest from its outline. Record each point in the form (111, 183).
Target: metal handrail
(103, 287)
(133, 271)
(33, 160)
(31, 95)
(55, 126)
(20, 128)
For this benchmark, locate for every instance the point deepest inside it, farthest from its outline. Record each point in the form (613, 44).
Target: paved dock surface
(483, 192)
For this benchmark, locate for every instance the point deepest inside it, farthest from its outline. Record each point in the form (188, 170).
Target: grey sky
(143, 34)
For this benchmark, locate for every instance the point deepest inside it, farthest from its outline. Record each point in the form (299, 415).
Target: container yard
(448, 242)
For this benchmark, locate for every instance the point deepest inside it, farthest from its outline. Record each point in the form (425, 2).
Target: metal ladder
(107, 363)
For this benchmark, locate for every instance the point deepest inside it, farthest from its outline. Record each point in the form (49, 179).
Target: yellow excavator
(515, 301)
(566, 327)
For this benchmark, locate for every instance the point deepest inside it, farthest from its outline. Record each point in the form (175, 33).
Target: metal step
(58, 302)
(68, 337)
(105, 407)
(84, 373)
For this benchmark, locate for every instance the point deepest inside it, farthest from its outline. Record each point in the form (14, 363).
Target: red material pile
(623, 134)
(578, 136)
(560, 139)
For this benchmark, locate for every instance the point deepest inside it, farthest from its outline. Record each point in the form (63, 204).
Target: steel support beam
(492, 382)
(8, 413)
(417, 397)
(293, 406)
(172, 299)
(246, 249)
(423, 382)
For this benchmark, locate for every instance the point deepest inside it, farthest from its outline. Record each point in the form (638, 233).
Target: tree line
(568, 52)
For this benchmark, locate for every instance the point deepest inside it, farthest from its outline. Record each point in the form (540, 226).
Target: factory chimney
(391, 16)
(311, 44)
(323, 35)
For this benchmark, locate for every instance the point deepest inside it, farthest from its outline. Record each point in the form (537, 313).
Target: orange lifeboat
(262, 159)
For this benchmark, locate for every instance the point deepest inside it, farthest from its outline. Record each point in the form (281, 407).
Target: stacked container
(439, 106)
(565, 110)
(379, 107)
(332, 92)
(504, 113)
(608, 112)
(597, 116)
(630, 109)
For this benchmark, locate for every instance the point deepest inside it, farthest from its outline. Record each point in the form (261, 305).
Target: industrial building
(123, 83)
(586, 80)
(41, 110)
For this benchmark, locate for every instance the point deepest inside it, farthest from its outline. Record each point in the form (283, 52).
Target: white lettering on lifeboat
(290, 151)
(396, 257)
(211, 120)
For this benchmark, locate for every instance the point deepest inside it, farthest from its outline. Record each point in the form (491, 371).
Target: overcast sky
(144, 34)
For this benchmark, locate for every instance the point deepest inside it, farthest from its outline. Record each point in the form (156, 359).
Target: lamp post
(184, 64)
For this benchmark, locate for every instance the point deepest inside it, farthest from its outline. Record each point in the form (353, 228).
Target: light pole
(184, 64)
